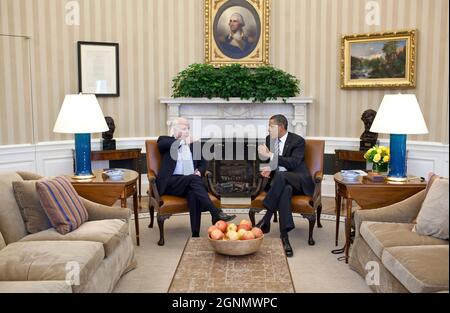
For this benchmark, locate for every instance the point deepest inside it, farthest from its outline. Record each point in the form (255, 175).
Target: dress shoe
(287, 247)
(265, 226)
(222, 216)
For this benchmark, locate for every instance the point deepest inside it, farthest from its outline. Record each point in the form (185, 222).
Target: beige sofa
(407, 261)
(92, 258)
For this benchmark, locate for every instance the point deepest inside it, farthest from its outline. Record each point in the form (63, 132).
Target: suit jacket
(168, 164)
(293, 159)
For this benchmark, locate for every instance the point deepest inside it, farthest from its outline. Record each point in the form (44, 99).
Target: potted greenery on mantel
(235, 81)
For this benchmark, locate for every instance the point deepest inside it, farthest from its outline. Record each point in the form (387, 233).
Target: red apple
(211, 228)
(248, 235)
(222, 225)
(257, 232)
(241, 232)
(246, 222)
(216, 234)
(246, 227)
(232, 235)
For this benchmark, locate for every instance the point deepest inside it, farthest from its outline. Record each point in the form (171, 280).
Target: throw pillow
(433, 216)
(30, 207)
(62, 204)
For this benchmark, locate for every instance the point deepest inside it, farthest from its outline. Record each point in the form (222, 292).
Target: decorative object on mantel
(368, 139)
(259, 84)
(237, 31)
(379, 156)
(379, 60)
(108, 143)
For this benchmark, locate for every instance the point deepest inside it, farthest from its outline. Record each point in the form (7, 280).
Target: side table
(105, 191)
(369, 195)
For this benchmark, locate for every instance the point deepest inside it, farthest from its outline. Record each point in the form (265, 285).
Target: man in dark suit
(181, 175)
(288, 175)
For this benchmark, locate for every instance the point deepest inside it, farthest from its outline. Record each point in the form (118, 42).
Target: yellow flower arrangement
(378, 154)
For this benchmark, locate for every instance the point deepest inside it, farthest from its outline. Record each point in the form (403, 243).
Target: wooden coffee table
(202, 270)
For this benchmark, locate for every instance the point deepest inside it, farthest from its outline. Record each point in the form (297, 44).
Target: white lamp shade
(80, 114)
(399, 114)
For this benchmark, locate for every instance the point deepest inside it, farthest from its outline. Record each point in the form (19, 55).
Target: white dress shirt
(185, 164)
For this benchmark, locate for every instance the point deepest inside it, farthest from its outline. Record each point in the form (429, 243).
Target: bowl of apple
(231, 239)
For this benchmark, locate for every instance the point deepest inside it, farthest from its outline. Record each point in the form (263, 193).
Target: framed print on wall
(379, 60)
(237, 31)
(98, 68)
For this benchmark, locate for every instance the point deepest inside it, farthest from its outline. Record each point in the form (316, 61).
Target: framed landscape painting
(379, 60)
(237, 31)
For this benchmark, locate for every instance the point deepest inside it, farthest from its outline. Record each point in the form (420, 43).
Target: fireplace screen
(234, 167)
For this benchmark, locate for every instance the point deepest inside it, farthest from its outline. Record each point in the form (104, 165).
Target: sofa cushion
(108, 232)
(45, 286)
(62, 204)
(432, 219)
(50, 260)
(12, 226)
(419, 268)
(380, 235)
(32, 211)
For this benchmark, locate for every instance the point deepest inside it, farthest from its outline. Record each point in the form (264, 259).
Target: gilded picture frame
(237, 31)
(379, 60)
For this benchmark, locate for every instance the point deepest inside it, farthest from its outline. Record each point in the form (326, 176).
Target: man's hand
(264, 152)
(265, 172)
(197, 172)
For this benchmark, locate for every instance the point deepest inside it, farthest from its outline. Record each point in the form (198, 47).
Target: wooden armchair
(165, 206)
(305, 205)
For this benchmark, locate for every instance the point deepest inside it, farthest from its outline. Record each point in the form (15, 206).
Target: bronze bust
(368, 139)
(108, 142)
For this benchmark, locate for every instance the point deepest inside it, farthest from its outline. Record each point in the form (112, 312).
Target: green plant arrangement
(259, 84)
(379, 156)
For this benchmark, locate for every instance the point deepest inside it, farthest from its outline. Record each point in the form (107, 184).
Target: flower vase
(380, 168)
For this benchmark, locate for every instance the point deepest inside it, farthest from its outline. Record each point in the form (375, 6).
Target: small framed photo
(379, 60)
(237, 31)
(98, 68)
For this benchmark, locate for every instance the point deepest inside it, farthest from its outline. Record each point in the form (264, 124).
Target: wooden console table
(122, 154)
(369, 195)
(105, 191)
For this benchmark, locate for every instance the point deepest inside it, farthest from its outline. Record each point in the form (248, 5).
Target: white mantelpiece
(238, 114)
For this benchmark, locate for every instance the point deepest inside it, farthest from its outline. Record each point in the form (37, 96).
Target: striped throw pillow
(62, 204)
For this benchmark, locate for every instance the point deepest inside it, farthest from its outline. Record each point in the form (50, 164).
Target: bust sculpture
(368, 139)
(108, 143)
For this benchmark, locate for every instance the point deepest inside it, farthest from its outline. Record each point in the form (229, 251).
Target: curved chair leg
(151, 210)
(161, 219)
(251, 215)
(319, 213)
(275, 217)
(312, 223)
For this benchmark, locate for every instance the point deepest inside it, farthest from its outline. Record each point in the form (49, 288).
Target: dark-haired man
(288, 175)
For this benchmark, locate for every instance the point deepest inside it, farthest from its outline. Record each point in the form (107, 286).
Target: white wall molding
(55, 158)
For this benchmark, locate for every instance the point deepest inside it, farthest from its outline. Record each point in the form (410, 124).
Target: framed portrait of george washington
(237, 31)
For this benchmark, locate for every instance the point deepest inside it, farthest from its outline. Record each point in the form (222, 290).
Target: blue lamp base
(83, 169)
(397, 163)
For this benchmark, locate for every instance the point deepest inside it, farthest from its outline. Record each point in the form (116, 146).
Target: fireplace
(233, 166)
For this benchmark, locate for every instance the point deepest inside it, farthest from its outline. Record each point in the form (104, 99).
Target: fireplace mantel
(239, 113)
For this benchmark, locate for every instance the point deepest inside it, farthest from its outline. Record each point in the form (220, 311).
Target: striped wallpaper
(158, 38)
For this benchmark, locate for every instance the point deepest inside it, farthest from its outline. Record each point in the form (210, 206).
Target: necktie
(186, 160)
(276, 149)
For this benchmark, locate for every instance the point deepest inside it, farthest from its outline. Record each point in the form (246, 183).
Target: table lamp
(399, 115)
(81, 115)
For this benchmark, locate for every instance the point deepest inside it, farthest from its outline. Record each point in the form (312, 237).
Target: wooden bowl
(236, 247)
